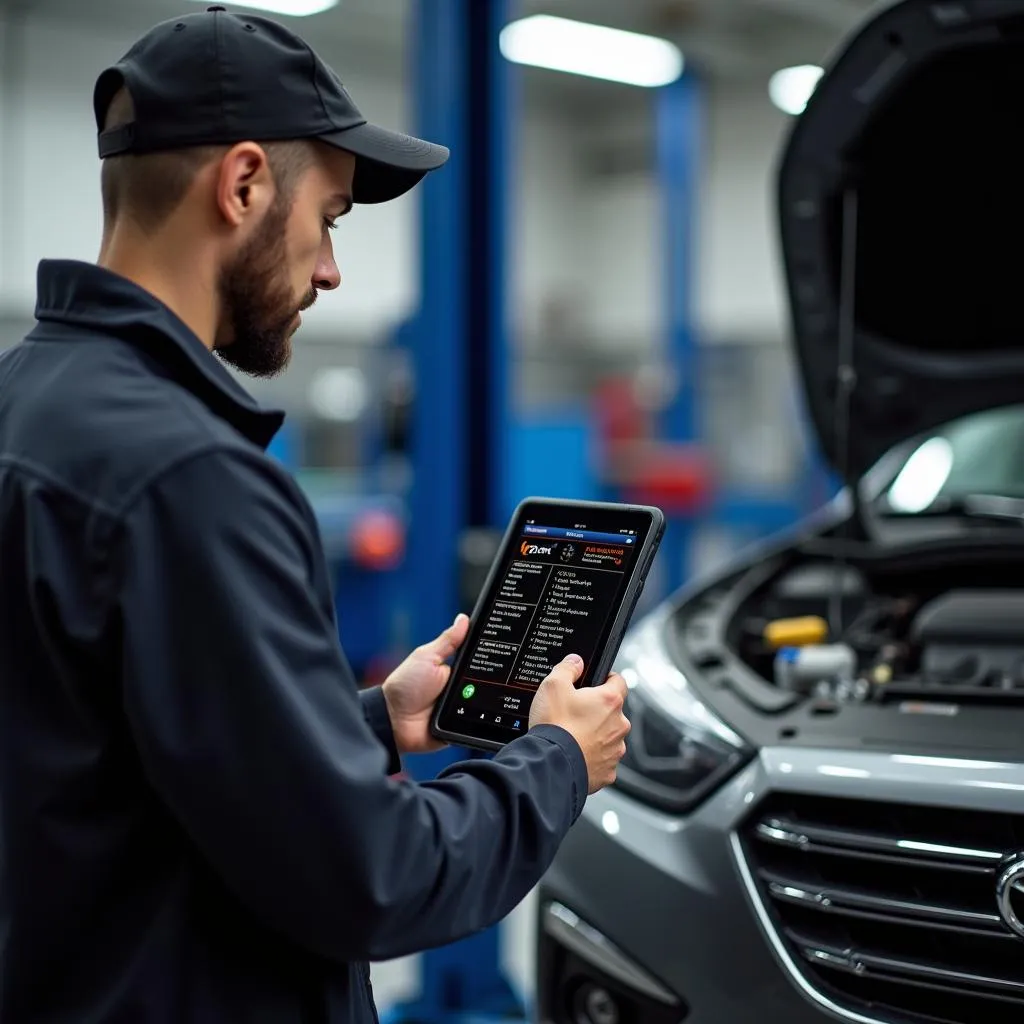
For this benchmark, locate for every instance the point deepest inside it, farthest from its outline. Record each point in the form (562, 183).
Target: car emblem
(1010, 895)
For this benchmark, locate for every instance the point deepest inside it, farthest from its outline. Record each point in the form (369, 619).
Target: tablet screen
(562, 578)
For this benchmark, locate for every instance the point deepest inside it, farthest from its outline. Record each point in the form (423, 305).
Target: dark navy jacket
(197, 822)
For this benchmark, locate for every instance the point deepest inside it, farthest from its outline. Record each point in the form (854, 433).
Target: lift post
(459, 345)
(679, 132)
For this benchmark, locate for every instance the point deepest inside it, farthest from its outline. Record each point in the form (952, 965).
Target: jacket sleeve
(376, 712)
(255, 737)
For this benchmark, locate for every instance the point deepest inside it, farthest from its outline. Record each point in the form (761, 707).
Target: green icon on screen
(468, 690)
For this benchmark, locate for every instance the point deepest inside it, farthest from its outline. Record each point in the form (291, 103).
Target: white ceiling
(729, 40)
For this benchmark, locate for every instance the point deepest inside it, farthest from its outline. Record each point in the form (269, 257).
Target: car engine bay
(861, 639)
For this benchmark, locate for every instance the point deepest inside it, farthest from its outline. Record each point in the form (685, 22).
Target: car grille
(890, 910)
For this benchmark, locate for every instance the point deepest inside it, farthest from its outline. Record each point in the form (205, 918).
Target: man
(199, 819)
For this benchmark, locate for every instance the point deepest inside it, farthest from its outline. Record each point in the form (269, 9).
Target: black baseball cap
(217, 78)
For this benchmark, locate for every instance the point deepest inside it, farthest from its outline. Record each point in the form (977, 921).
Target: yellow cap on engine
(798, 632)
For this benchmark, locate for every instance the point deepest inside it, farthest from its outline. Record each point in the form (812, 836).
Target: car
(820, 815)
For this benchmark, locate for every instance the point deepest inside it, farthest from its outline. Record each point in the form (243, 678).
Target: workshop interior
(756, 263)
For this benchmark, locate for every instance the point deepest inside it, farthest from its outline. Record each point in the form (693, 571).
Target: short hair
(148, 187)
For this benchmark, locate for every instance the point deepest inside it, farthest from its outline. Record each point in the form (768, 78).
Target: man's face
(280, 270)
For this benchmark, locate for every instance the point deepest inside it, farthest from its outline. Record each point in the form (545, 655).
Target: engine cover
(972, 638)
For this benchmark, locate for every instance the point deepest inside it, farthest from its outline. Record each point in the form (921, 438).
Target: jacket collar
(88, 297)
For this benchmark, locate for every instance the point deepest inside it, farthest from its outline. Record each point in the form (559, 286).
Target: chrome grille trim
(882, 911)
(779, 947)
(825, 839)
(855, 962)
(840, 901)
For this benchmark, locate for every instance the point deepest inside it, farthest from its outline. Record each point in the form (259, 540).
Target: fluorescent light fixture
(559, 44)
(791, 88)
(293, 8)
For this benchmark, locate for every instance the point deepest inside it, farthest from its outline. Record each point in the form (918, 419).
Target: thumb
(450, 640)
(567, 671)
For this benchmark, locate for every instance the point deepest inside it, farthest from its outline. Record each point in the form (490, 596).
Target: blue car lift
(459, 346)
(679, 133)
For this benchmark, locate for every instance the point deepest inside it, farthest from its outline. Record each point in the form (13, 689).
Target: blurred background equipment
(585, 303)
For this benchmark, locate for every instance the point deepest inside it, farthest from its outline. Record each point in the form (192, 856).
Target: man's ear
(245, 185)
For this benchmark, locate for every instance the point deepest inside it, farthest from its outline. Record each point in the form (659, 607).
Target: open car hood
(910, 151)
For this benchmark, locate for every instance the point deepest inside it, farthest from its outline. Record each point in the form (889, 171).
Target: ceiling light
(791, 88)
(558, 44)
(294, 8)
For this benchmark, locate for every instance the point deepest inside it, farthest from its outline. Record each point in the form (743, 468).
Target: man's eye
(331, 225)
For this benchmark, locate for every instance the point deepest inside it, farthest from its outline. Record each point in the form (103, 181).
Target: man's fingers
(617, 685)
(567, 671)
(457, 631)
(450, 640)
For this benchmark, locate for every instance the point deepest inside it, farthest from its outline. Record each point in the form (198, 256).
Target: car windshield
(982, 454)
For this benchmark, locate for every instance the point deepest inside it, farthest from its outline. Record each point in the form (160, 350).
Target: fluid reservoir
(798, 669)
(796, 632)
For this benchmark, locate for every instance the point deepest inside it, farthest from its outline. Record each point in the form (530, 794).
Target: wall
(545, 223)
(623, 261)
(737, 288)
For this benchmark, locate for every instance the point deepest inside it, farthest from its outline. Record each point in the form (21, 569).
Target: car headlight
(677, 751)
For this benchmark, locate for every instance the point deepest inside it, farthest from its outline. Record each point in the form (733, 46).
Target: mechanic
(199, 814)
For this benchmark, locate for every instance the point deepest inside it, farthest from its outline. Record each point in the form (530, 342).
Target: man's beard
(258, 305)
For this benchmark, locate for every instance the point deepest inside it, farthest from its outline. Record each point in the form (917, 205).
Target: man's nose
(326, 276)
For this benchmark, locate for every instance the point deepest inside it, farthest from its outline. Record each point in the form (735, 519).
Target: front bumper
(686, 934)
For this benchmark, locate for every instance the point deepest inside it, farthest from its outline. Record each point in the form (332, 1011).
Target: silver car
(821, 813)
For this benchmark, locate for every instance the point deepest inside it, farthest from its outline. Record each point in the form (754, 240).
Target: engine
(827, 631)
(971, 639)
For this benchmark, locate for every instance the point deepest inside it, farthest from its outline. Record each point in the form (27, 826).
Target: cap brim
(388, 164)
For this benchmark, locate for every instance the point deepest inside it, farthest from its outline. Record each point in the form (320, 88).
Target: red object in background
(620, 417)
(377, 541)
(676, 478)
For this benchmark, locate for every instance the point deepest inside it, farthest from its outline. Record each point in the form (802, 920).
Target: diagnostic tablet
(565, 581)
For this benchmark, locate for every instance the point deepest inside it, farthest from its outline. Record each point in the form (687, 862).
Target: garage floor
(397, 980)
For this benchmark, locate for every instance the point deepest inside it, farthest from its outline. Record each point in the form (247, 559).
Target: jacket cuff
(376, 711)
(565, 742)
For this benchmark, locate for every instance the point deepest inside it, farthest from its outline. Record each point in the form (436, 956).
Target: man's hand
(411, 691)
(592, 715)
